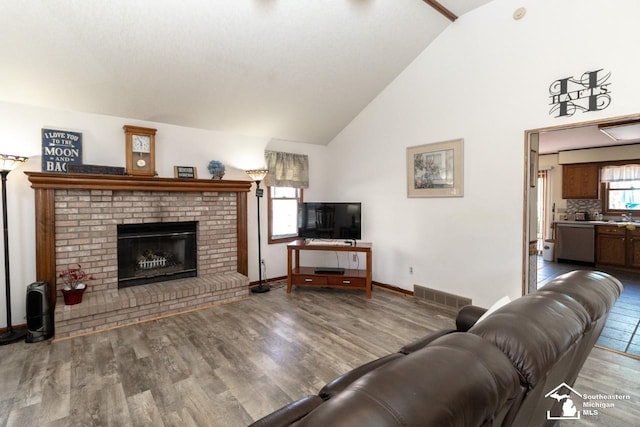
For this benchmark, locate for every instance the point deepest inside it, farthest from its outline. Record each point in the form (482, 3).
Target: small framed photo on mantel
(435, 170)
(185, 172)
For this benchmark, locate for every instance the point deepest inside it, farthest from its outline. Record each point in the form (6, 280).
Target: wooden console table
(306, 276)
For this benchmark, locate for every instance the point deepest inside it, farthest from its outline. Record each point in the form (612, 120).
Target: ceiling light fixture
(625, 132)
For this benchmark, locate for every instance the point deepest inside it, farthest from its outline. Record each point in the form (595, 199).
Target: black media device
(328, 270)
(330, 220)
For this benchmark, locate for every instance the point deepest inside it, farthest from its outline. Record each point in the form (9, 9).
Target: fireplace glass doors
(156, 252)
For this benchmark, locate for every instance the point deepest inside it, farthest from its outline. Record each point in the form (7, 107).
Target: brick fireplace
(77, 219)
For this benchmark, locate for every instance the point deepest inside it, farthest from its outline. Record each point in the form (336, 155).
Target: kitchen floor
(622, 330)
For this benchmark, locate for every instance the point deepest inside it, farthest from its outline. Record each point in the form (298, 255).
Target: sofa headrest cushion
(595, 290)
(458, 379)
(534, 331)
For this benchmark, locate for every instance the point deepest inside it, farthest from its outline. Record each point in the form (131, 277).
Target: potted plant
(216, 169)
(74, 279)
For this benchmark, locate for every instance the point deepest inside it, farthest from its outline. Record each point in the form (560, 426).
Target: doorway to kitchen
(542, 210)
(564, 140)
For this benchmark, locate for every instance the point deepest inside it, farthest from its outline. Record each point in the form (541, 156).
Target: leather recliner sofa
(495, 372)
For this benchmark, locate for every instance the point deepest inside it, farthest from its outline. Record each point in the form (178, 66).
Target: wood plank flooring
(232, 364)
(622, 330)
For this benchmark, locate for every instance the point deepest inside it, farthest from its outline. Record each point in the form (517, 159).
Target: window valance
(620, 173)
(287, 169)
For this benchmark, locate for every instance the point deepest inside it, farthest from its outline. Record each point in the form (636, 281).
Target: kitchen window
(283, 213)
(623, 196)
(621, 188)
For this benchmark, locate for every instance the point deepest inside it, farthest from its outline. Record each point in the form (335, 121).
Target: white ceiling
(588, 136)
(287, 69)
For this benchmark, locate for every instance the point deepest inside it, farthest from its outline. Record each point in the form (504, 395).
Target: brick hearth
(108, 309)
(77, 218)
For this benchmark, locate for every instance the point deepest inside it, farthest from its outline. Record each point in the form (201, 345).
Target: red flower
(73, 277)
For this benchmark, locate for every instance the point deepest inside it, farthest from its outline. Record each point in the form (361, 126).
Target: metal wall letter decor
(588, 93)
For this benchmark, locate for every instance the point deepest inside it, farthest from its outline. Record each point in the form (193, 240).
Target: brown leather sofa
(495, 372)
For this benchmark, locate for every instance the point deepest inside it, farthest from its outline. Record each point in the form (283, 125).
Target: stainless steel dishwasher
(576, 242)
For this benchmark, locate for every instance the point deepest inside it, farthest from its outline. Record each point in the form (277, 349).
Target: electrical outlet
(355, 257)
(410, 270)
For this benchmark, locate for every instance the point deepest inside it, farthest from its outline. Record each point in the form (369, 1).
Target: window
(623, 196)
(621, 185)
(283, 213)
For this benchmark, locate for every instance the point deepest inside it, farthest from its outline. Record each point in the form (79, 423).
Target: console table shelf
(306, 276)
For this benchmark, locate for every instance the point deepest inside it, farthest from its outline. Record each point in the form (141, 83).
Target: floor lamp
(258, 175)
(7, 164)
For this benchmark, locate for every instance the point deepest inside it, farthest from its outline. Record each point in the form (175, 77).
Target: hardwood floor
(607, 373)
(232, 364)
(622, 330)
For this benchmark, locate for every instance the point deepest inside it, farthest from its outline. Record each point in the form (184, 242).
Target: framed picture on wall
(435, 170)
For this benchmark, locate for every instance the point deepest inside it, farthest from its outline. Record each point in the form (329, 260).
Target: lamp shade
(9, 162)
(257, 174)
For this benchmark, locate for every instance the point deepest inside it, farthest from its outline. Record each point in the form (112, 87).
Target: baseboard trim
(268, 281)
(17, 327)
(392, 288)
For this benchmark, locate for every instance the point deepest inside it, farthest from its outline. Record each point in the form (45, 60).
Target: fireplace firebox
(156, 252)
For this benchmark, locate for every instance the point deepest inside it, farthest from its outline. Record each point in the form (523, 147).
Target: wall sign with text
(59, 148)
(590, 92)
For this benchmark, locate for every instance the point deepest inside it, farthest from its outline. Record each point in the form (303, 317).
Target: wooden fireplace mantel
(45, 185)
(132, 183)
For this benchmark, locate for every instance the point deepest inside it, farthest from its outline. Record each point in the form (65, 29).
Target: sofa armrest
(338, 384)
(468, 316)
(290, 413)
(421, 342)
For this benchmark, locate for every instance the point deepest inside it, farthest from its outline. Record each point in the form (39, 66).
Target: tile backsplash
(583, 205)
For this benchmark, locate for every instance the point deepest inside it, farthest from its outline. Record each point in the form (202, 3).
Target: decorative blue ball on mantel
(216, 169)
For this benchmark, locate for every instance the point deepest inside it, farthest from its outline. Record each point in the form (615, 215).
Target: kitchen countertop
(620, 223)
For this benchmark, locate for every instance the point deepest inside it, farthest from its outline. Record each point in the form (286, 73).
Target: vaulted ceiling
(297, 70)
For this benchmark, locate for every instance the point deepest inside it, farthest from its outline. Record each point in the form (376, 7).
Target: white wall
(103, 144)
(485, 79)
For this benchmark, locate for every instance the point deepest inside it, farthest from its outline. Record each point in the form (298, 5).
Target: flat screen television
(326, 220)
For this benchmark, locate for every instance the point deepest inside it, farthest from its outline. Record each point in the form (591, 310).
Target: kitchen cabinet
(633, 248)
(580, 181)
(611, 245)
(618, 246)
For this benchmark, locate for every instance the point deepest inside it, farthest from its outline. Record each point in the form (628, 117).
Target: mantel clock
(141, 150)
